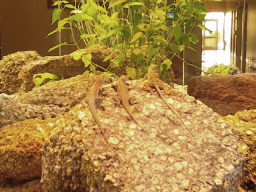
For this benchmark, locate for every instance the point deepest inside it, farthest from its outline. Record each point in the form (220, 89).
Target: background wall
(251, 32)
(24, 26)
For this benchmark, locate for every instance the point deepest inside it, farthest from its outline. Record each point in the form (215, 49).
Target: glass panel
(210, 43)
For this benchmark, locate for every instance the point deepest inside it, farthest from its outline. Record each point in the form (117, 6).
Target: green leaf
(56, 14)
(77, 17)
(70, 6)
(87, 59)
(202, 27)
(137, 18)
(86, 73)
(39, 78)
(78, 54)
(62, 22)
(85, 36)
(108, 57)
(57, 46)
(161, 40)
(56, 30)
(177, 32)
(174, 47)
(99, 8)
(165, 65)
(158, 13)
(137, 51)
(87, 17)
(136, 36)
(126, 31)
(131, 72)
(114, 31)
(92, 12)
(120, 59)
(59, 3)
(141, 26)
(193, 39)
(91, 42)
(115, 14)
(92, 68)
(133, 4)
(181, 47)
(186, 39)
(191, 48)
(115, 3)
(76, 11)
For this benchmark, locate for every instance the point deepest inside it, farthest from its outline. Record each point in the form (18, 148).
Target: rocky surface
(244, 122)
(65, 93)
(64, 66)
(10, 67)
(17, 70)
(20, 150)
(225, 94)
(48, 101)
(12, 110)
(202, 156)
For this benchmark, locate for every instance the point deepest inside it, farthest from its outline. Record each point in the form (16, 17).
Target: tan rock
(77, 158)
(10, 67)
(48, 101)
(17, 70)
(244, 122)
(20, 150)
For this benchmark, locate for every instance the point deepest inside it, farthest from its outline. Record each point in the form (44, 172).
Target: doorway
(216, 40)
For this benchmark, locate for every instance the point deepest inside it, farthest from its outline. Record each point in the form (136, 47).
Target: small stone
(140, 188)
(129, 132)
(113, 140)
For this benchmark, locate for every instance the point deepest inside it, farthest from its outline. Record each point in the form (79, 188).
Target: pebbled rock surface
(20, 150)
(12, 110)
(65, 93)
(225, 94)
(244, 122)
(10, 67)
(65, 66)
(17, 69)
(48, 101)
(202, 156)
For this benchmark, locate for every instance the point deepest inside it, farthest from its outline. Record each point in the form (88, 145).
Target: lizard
(154, 80)
(92, 107)
(122, 91)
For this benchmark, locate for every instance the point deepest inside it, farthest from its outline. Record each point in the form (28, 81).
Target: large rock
(20, 150)
(17, 70)
(225, 94)
(48, 101)
(202, 156)
(244, 122)
(10, 67)
(12, 110)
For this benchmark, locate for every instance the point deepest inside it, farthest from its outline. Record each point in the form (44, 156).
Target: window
(210, 39)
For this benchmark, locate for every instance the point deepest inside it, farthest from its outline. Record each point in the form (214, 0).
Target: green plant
(42, 78)
(220, 70)
(142, 31)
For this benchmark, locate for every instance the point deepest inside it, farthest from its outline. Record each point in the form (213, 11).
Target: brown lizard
(92, 107)
(154, 80)
(122, 91)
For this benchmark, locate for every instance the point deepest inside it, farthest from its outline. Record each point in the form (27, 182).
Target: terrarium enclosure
(127, 95)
